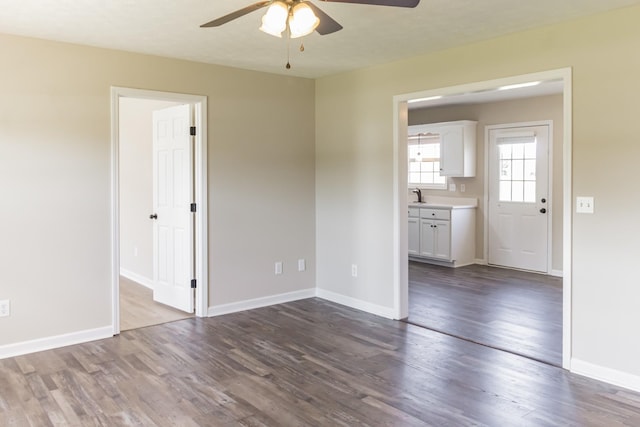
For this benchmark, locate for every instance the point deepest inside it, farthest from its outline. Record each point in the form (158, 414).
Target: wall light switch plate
(278, 269)
(452, 187)
(301, 265)
(5, 308)
(354, 270)
(584, 205)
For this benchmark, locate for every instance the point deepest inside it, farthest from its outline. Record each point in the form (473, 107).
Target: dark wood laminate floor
(512, 310)
(309, 362)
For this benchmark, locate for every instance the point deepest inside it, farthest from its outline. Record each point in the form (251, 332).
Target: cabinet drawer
(414, 212)
(435, 213)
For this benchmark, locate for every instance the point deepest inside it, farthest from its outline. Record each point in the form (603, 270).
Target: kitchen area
(453, 288)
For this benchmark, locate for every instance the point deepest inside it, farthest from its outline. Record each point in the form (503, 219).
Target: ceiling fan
(299, 17)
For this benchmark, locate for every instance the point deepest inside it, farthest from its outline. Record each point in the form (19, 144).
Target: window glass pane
(429, 150)
(413, 151)
(518, 170)
(517, 191)
(505, 170)
(414, 166)
(530, 170)
(505, 151)
(505, 191)
(414, 178)
(427, 166)
(436, 167)
(530, 150)
(518, 151)
(440, 179)
(530, 191)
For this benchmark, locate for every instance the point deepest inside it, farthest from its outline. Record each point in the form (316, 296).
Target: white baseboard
(138, 278)
(480, 261)
(358, 304)
(608, 375)
(556, 273)
(250, 304)
(26, 347)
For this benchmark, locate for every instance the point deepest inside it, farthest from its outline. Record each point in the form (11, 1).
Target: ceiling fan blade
(327, 24)
(237, 14)
(396, 3)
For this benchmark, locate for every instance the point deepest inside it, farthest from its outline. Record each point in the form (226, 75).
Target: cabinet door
(427, 238)
(452, 151)
(442, 240)
(414, 236)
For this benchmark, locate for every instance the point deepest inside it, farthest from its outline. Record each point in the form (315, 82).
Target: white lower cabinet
(435, 239)
(442, 235)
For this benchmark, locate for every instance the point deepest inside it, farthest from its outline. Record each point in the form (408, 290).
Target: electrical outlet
(463, 188)
(279, 267)
(452, 187)
(135, 251)
(5, 308)
(354, 270)
(301, 265)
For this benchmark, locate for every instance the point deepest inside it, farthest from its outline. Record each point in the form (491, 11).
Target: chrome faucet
(419, 193)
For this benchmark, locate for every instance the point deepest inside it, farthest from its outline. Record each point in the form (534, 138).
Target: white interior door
(173, 230)
(519, 197)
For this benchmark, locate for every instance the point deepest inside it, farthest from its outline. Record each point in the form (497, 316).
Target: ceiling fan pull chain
(288, 66)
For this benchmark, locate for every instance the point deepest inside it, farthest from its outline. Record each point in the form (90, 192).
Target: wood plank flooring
(138, 309)
(306, 363)
(512, 310)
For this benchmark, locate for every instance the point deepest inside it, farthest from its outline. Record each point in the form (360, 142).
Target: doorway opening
(158, 172)
(402, 196)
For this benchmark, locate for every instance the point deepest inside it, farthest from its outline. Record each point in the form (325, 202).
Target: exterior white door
(173, 230)
(519, 197)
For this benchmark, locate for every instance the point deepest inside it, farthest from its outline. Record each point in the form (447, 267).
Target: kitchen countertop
(435, 202)
(427, 205)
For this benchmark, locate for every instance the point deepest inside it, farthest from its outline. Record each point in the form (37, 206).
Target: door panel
(518, 184)
(173, 227)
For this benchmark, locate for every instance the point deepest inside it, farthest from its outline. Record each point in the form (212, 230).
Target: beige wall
(136, 184)
(354, 168)
(494, 113)
(55, 180)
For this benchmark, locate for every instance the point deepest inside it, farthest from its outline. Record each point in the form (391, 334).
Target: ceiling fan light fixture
(274, 22)
(302, 20)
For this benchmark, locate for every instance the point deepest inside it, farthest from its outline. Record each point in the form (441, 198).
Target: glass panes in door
(517, 174)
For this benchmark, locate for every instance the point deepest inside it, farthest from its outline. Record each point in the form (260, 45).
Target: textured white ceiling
(372, 34)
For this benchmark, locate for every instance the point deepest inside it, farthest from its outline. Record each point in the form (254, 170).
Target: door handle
(543, 210)
(153, 216)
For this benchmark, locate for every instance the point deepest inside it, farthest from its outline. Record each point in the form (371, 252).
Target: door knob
(543, 210)
(544, 200)
(153, 216)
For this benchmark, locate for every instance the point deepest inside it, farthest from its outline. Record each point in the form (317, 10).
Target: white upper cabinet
(457, 147)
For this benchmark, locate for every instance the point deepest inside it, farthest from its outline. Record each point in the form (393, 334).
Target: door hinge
(193, 207)
(193, 283)
(192, 131)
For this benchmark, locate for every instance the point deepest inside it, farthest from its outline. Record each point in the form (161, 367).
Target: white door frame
(201, 246)
(549, 184)
(400, 190)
